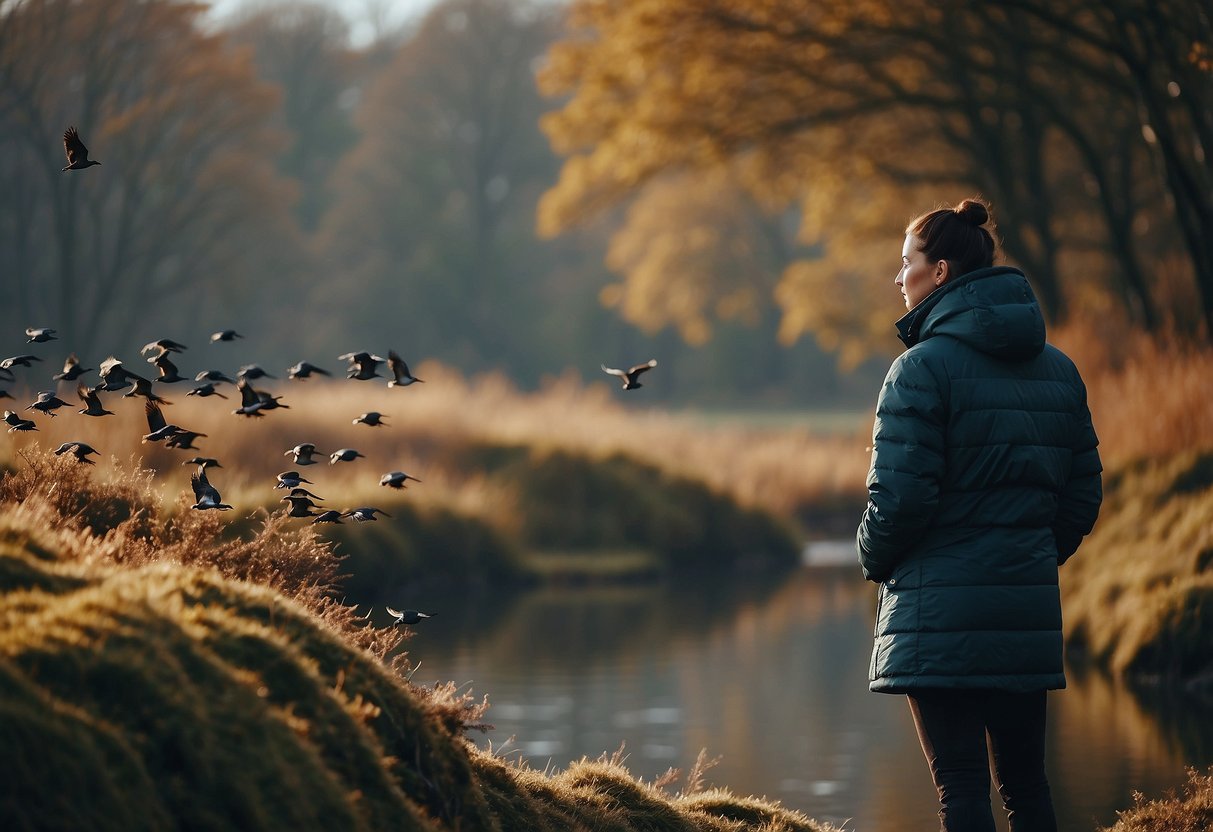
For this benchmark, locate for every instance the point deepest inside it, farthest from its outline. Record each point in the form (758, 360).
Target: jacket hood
(992, 310)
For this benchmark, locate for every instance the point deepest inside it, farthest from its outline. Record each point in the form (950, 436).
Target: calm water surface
(771, 677)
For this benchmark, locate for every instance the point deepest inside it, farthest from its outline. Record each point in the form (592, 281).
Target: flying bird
(254, 402)
(299, 491)
(113, 375)
(225, 335)
(40, 335)
(305, 369)
(158, 427)
(141, 386)
(395, 479)
(214, 376)
(291, 479)
(168, 370)
(303, 453)
(252, 372)
(372, 418)
(400, 371)
(19, 361)
(92, 402)
(15, 422)
(203, 462)
(631, 377)
(409, 617)
(301, 506)
(78, 449)
(183, 440)
(47, 403)
(71, 369)
(205, 390)
(365, 513)
(362, 365)
(344, 455)
(77, 153)
(161, 347)
(330, 516)
(206, 495)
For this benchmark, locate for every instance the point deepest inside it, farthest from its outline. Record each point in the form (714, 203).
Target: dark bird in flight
(400, 371)
(204, 390)
(183, 440)
(158, 427)
(365, 513)
(299, 491)
(215, 376)
(409, 617)
(330, 516)
(15, 422)
(161, 347)
(305, 369)
(77, 153)
(344, 455)
(206, 495)
(19, 361)
(47, 403)
(303, 453)
(631, 377)
(71, 369)
(92, 402)
(301, 505)
(395, 479)
(78, 449)
(252, 372)
(254, 402)
(39, 335)
(113, 375)
(225, 335)
(362, 365)
(291, 479)
(203, 462)
(168, 370)
(140, 386)
(373, 418)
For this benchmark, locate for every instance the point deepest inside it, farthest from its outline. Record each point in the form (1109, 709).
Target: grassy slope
(134, 698)
(1139, 593)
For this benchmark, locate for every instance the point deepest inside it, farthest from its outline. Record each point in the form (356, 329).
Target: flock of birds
(254, 403)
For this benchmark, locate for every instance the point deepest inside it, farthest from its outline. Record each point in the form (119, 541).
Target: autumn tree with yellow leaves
(1084, 123)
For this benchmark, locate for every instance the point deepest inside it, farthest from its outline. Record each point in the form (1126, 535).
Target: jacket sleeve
(1078, 506)
(908, 458)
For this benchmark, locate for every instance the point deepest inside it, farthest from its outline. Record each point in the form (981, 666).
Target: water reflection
(771, 676)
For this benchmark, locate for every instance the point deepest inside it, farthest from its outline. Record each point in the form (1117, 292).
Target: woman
(985, 478)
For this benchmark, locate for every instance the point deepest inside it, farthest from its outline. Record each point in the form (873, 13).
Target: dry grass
(1189, 811)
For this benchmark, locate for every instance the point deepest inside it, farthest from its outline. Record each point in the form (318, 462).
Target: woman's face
(918, 277)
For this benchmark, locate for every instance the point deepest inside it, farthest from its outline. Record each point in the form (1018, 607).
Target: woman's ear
(942, 272)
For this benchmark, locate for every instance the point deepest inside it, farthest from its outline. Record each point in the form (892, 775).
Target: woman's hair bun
(973, 211)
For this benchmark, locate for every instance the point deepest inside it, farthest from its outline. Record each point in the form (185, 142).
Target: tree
(434, 205)
(865, 113)
(303, 48)
(185, 205)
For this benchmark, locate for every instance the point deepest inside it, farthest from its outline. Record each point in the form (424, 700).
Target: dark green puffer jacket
(985, 477)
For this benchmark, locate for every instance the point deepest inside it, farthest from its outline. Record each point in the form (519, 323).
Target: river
(770, 677)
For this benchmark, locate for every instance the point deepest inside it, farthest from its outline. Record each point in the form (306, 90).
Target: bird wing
(70, 362)
(155, 418)
(397, 614)
(73, 147)
(166, 366)
(396, 364)
(613, 371)
(643, 368)
(108, 366)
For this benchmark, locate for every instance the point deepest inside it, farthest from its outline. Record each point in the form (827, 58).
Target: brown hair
(956, 235)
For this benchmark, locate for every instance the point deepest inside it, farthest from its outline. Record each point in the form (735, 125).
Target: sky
(355, 11)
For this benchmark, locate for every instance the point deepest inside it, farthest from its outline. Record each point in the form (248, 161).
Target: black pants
(952, 727)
